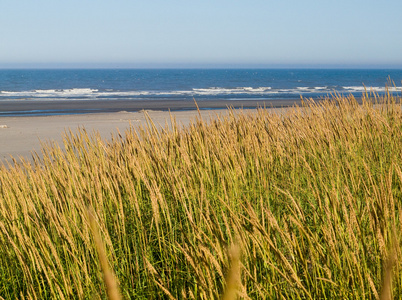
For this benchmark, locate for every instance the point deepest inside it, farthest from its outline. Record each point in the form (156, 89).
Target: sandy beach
(21, 136)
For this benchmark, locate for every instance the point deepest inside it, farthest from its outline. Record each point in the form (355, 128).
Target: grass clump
(304, 204)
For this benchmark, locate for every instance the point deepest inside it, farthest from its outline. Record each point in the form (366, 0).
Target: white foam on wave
(123, 93)
(86, 92)
(303, 88)
(80, 91)
(356, 88)
(45, 91)
(237, 90)
(372, 89)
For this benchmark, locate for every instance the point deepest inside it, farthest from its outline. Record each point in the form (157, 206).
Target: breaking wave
(243, 92)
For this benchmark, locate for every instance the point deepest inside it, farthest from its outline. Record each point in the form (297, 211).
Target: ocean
(23, 86)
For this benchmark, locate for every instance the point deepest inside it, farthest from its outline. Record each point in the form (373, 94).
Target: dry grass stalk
(112, 287)
(310, 195)
(233, 278)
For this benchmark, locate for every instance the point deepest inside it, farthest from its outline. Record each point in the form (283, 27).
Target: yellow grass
(300, 205)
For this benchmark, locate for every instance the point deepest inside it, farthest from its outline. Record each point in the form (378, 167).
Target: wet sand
(43, 107)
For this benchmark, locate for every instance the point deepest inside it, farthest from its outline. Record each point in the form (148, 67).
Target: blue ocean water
(186, 84)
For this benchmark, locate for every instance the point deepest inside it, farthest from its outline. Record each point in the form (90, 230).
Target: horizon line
(193, 66)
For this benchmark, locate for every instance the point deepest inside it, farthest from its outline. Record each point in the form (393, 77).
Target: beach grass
(301, 204)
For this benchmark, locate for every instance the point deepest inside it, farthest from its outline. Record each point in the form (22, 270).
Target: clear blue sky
(195, 33)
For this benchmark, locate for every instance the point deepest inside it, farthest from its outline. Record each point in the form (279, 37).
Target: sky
(200, 33)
